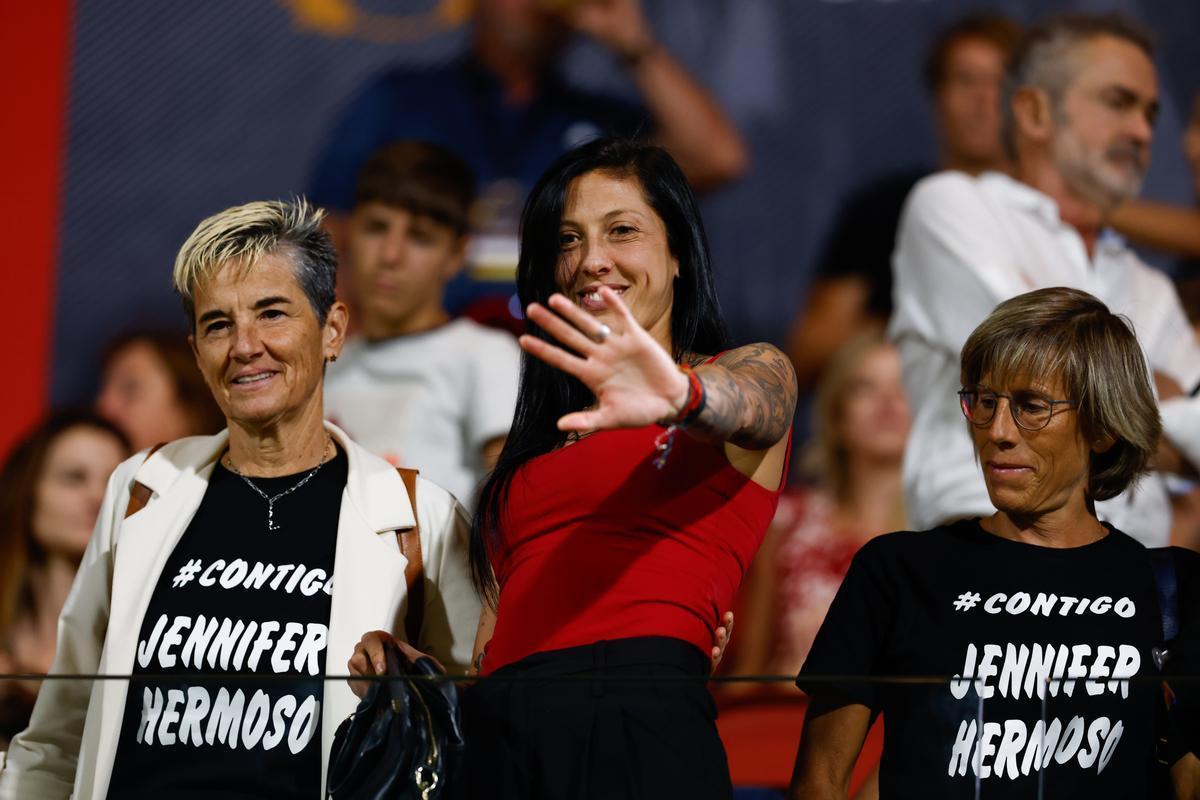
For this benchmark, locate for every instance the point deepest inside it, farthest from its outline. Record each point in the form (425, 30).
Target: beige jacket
(69, 746)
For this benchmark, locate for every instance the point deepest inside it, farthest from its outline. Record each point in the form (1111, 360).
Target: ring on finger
(601, 333)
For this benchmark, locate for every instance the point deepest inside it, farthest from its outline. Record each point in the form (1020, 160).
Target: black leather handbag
(403, 742)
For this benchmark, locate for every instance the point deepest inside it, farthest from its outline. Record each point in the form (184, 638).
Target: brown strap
(139, 493)
(414, 572)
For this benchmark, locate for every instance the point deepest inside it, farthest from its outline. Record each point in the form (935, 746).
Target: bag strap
(414, 571)
(1167, 586)
(139, 493)
(1162, 562)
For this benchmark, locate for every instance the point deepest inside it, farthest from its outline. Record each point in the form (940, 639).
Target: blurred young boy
(417, 387)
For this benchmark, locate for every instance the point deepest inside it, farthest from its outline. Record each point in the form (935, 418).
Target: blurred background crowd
(420, 125)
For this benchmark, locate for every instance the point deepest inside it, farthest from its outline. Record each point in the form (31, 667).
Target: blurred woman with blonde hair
(860, 427)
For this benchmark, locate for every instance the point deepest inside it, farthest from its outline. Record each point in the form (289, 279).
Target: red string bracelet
(693, 405)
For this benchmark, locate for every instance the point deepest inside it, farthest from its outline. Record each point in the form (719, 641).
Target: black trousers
(628, 719)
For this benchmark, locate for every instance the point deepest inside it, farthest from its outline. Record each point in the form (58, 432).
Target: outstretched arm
(749, 397)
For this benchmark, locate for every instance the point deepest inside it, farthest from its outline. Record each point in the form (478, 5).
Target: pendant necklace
(271, 526)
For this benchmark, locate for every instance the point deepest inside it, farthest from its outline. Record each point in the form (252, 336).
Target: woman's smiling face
(609, 235)
(259, 343)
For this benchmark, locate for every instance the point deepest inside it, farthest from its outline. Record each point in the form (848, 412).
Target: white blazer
(69, 746)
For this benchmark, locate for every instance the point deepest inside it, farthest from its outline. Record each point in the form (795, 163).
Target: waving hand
(635, 381)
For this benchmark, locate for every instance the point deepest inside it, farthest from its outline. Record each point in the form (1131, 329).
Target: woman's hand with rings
(370, 659)
(635, 381)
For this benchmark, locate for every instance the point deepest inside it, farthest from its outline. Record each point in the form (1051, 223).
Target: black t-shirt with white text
(236, 599)
(1036, 646)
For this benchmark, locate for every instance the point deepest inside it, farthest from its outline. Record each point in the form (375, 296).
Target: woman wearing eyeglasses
(1038, 625)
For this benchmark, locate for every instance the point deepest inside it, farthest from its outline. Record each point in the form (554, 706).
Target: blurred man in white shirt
(1079, 107)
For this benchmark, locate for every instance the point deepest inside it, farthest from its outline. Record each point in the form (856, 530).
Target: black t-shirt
(959, 602)
(236, 598)
(864, 236)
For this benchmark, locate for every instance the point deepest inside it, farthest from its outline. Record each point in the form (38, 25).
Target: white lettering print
(191, 729)
(144, 652)
(1007, 749)
(1011, 749)
(228, 720)
(239, 573)
(1048, 604)
(233, 644)
(1023, 671)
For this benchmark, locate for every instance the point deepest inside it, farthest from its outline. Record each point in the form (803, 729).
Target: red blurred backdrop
(35, 43)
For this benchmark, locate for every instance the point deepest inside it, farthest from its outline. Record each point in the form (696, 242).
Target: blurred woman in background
(151, 389)
(860, 427)
(853, 493)
(50, 493)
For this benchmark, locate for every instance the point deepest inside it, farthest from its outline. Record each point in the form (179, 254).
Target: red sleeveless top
(596, 543)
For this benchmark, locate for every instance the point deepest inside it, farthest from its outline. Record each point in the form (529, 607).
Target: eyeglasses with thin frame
(1030, 410)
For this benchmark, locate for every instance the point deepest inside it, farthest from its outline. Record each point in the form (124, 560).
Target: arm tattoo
(750, 397)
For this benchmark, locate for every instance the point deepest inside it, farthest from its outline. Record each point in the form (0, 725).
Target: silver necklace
(271, 526)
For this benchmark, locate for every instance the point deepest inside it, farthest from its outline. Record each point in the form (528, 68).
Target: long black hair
(547, 393)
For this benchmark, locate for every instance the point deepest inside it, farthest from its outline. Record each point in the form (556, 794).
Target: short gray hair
(1045, 59)
(1070, 335)
(244, 234)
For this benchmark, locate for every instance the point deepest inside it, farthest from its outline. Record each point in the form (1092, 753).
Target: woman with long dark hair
(51, 486)
(640, 475)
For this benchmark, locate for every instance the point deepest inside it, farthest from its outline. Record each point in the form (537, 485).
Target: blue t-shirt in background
(461, 106)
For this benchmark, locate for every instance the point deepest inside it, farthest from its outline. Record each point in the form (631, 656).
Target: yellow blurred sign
(346, 19)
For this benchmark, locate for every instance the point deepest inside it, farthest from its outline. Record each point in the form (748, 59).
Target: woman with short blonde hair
(250, 554)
